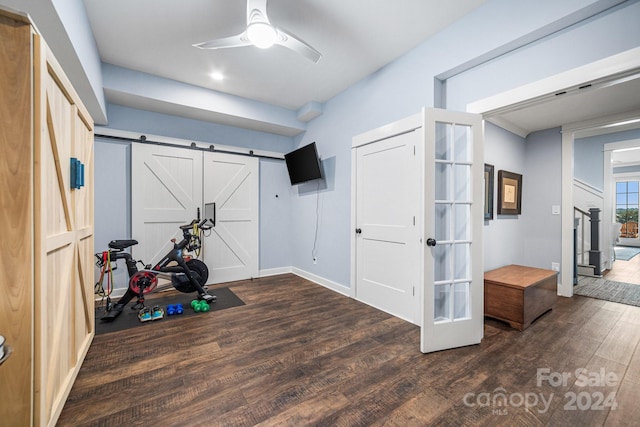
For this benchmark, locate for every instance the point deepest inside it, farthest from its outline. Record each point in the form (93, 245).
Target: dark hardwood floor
(298, 354)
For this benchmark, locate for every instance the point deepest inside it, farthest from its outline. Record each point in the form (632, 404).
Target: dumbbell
(174, 309)
(200, 306)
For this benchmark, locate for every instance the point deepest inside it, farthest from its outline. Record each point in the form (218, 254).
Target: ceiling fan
(262, 34)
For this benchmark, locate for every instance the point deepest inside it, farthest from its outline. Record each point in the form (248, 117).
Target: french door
(453, 297)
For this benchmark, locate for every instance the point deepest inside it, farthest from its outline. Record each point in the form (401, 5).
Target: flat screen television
(303, 164)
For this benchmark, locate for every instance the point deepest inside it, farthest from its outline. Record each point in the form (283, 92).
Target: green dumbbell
(194, 303)
(204, 306)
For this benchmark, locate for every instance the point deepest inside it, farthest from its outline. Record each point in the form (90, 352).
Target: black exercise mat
(129, 318)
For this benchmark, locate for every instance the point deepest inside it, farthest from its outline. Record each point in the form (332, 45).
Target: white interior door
(387, 235)
(231, 200)
(453, 300)
(166, 191)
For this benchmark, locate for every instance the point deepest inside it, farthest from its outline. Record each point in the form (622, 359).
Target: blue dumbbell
(171, 310)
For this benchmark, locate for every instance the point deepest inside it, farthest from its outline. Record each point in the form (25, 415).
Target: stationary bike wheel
(200, 272)
(144, 280)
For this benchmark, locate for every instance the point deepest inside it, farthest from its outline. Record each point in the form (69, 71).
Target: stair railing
(587, 243)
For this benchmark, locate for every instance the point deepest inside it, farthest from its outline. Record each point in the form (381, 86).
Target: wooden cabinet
(519, 295)
(46, 223)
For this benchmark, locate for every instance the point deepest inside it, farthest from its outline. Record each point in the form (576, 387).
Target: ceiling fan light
(261, 35)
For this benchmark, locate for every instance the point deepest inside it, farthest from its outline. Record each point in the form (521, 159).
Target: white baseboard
(274, 271)
(334, 286)
(115, 295)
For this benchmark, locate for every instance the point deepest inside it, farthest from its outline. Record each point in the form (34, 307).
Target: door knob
(358, 230)
(431, 242)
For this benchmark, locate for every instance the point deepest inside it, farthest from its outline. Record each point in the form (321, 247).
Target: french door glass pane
(462, 187)
(462, 221)
(453, 193)
(461, 303)
(443, 222)
(441, 262)
(443, 141)
(443, 181)
(462, 143)
(462, 255)
(441, 301)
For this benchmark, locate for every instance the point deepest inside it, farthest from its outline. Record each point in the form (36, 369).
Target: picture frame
(488, 191)
(509, 193)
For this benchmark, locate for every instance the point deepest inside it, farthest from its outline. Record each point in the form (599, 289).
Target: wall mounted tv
(303, 164)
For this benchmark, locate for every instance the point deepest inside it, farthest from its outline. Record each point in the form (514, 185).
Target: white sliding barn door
(166, 191)
(387, 233)
(231, 200)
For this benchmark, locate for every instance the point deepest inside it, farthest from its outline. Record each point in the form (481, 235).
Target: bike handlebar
(201, 225)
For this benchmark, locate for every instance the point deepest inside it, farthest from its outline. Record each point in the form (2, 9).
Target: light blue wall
(274, 232)
(502, 246)
(543, 189)
(627, 169)
(147, 122)
(112, 217)
(588, 161)
(609, 33)
(588, 154)
(76, 24)
(404, 86)
(275, 215)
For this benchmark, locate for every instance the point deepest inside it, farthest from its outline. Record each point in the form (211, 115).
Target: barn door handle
(431, 242)
(214, 214)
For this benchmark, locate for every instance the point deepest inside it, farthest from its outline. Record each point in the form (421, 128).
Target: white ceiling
(355, 37)
(591, 101)
(625, 157)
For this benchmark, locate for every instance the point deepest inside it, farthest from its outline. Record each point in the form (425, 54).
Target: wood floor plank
(627, 413)
(620, 343)
(298, 354)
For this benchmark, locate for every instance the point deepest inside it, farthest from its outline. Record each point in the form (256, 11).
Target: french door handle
(431, 242)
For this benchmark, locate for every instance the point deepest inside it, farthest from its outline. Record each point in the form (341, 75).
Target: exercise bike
(185, 273)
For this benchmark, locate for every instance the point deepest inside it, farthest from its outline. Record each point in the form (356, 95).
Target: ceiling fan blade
(257, 12)
(233, 41)
(292, 42)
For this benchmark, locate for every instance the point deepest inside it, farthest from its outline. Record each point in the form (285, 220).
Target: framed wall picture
(488, 192)
(509, 193)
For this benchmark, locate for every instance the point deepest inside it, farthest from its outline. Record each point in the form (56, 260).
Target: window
(627, 208)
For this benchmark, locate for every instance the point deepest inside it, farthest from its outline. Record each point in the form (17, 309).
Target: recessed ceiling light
(216, 75)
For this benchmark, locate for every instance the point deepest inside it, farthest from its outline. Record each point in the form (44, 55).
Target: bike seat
(122, 244)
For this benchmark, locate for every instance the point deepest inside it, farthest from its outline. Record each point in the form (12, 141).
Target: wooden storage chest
(519, 295)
